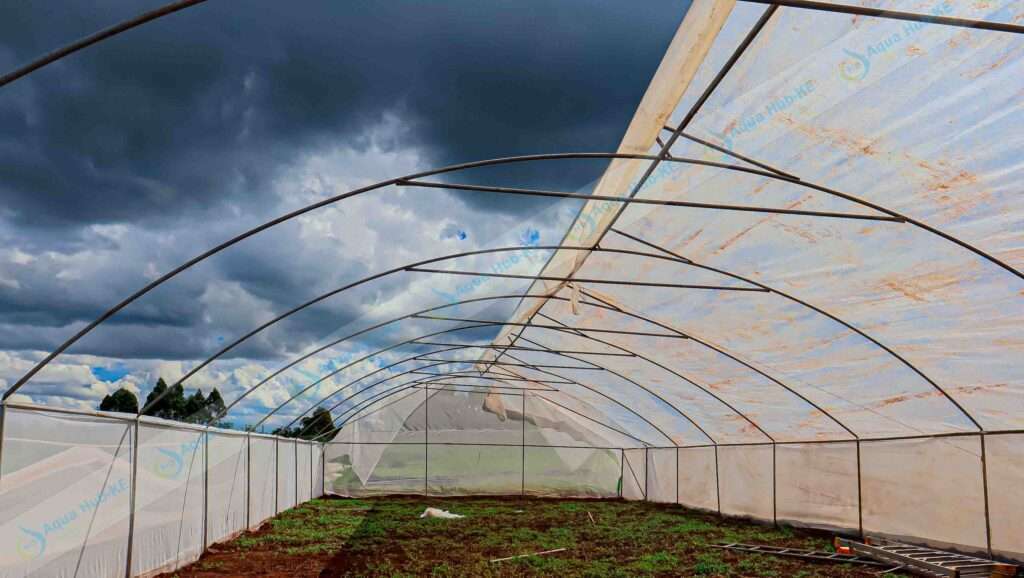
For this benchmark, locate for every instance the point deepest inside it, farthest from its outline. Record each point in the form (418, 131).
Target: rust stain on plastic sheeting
(919, 288)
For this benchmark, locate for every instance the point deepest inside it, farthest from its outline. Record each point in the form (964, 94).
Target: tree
(121, 400)
(310, 426)
(195, 408)
(171, 405)
(215, 407)
(317, 424)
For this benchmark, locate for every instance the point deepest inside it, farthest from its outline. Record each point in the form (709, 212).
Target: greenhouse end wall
(148, 494)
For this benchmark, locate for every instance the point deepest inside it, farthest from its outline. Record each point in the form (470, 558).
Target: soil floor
(335, 537)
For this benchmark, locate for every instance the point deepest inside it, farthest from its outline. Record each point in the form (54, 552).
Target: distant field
(384, 536)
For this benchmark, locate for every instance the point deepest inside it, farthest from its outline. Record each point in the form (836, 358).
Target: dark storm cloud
(204, 106)
(180, 128)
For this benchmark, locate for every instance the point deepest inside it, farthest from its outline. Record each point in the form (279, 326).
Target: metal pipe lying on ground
(528, 555)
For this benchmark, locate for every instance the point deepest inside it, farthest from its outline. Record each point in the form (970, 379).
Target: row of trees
(174, 405)
(198, 408)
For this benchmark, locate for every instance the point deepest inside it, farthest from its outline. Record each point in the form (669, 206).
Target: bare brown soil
(332, 538)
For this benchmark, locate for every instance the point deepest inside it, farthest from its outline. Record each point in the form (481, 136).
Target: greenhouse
(793, 295)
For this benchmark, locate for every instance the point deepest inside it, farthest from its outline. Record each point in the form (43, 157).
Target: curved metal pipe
(452, 168)
(407, 385)
(818, 310)
(666, 402)
(737, 360)
(417, 383)
(56, 55)
(340, 369)
(354, 381)
(302, 211)
(306, 356)
(224, 350)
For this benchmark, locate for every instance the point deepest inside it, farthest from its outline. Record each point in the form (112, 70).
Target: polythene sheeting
(634, 474)
(816, 484)
(318, 470)
(801, 328)
(745, 481)
(930, 489)
(64, 490)
(286, 474)
(304, 471)
(191, 490)
(661, 475)
(1004, 461)
(170, 500)
(698, 478)
(262, 479)
(227, 486)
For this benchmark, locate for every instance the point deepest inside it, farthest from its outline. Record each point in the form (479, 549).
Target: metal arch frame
(356, 409)
(686, 379)
(126, 25)
(664, 155)
(380, 396)
(411, 341)
(389, 378)
(417, 357)
(452, 168)
(326, 202)
(332, 343)
(332, 373)
(402, 268)
(746, 364)
(637, 384)
(895, 15)
(675, 334)
(653, 394)
(480, 375)
(484, 324)
(473, 374)
(533, 366)
(426, 384)
(818, 310)
(517, 348)
(94, 38)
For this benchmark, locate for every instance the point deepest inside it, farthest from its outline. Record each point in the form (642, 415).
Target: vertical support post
(206, 488)
(984, 486)
(647, 470)
(860, 497)
(248, 480)
(523, 463)
(677, 475)
(718, 486)
(775, 491)
(277, 471)
(622, 469)
(295, 447)
(131, 499)
(323, 468)
(426, 440)
(3, 421)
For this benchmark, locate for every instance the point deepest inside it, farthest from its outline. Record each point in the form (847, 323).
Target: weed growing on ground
(385, 537)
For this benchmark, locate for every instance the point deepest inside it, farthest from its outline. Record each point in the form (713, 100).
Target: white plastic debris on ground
(438, 513)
